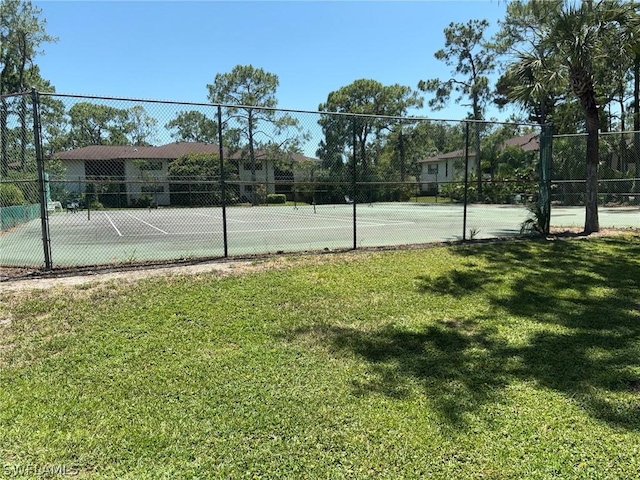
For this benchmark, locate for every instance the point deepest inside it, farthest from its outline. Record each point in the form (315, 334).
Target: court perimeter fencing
(95, 180)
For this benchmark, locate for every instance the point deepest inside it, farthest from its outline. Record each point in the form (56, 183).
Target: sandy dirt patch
(19, 279)
(23, 279)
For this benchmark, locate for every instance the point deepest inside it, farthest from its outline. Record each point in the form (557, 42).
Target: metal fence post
(223, 190)
(466, 181)
(42, 187)
(354, 173)
(544, 200)
(4, 155)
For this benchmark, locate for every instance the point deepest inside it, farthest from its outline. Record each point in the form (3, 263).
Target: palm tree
(633, 47)
(592, 24)
(636, 105)
(569, 49)
(578, 33)
(532, 77)
(534, 81)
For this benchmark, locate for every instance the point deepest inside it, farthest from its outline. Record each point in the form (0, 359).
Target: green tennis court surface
(133, 235)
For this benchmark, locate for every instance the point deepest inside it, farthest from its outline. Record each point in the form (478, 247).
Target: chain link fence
(100, 181)
(19, 192)
(618, 184)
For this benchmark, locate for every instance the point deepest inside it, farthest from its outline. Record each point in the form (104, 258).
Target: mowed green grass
(507, 360)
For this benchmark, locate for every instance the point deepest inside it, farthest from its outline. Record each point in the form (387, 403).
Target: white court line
(373, 221)
(279, 214)
(112, 224)
(265, 230)
(218, 217)
(147, 223)
(315, 228)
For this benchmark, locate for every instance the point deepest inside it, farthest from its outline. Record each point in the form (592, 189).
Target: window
(152, 189)
(151, 166)
(247, 166)
(432, 169)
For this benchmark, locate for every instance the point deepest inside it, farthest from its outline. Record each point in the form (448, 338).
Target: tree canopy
(98, 124)
(248, 95)
(571, 49)
(22, 32)
(193, 126)
(377, 106)
(472, 59)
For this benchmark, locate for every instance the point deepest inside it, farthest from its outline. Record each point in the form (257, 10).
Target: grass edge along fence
(355, 184)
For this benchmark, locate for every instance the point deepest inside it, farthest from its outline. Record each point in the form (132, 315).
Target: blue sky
(172, 50)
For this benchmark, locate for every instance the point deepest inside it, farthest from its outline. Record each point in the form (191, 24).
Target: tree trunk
(23, 103)
(591, 223)
(252, 159)
(636, 120)
(403, 172)
(623, 154)
(582, 86)
(477, 116)
(23, 132)
(478, 160)
(364, 167)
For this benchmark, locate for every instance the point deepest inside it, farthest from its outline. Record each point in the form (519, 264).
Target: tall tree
(248, 95)
(636, 106)
(54, 124)
(22, 32)
(141, 126)
(97, 124)
(577, 34)
(472, 59)
(377, 106)
(633, 47)
(533, 77)
(575, 37)
(193, 126)
(89, 123)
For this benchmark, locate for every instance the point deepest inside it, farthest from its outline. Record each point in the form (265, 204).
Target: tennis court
(135, 235)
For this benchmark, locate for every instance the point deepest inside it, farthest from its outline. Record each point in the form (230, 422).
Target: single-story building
(449, 167)
(131, 172)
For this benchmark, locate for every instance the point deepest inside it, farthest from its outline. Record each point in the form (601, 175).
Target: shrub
(143, 201)
(10, 195)
(455, 191)
(276, 198)
(96, 205)
(536, 222)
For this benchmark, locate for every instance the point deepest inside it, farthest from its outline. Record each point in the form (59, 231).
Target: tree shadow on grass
(590, 367)
(451, 361)
(586, 294)
(580, 300)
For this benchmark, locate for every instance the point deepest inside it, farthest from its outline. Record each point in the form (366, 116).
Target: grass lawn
(508, 361)
(430, 199)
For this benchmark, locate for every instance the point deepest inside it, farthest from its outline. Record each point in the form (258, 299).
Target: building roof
(447, 156)
(528, 143)
(122, 152)
(169, 151)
